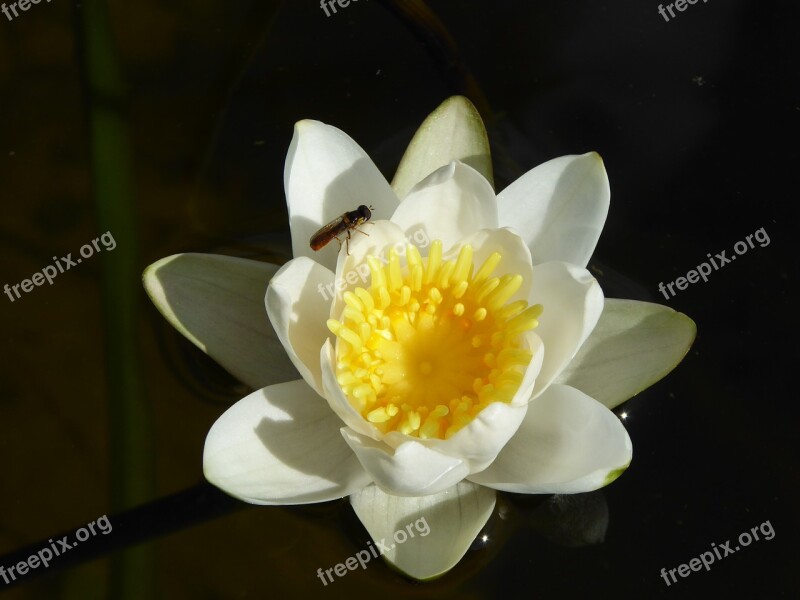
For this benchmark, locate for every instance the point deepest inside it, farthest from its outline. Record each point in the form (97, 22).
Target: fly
(345, 224)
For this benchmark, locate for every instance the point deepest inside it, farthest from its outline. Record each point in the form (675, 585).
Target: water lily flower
(455, 346)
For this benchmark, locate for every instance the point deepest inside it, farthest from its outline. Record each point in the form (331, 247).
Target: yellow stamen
(429, 345)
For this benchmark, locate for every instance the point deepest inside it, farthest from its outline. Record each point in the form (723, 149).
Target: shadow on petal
(281, 445)
(217, 303)
(343, 194)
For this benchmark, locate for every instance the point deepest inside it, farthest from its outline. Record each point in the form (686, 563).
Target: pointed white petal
(297, 303)
(326, 175)
(572, 301)
(454, 131)
(281, 445)
(450, 204)
(217, 302)
(443, 525)
(559, 208)
(633, 345)
(568, 443)
(411, 469)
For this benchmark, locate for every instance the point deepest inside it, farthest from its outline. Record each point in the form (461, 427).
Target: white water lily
(477, 355)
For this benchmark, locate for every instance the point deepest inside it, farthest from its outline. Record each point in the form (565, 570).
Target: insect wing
(322, 237)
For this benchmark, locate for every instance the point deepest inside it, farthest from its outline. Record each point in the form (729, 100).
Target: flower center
(430, 345)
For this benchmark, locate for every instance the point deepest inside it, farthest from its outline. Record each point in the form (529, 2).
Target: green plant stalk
(131, 461)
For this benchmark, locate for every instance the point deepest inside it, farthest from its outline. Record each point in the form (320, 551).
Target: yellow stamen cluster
(431, 344)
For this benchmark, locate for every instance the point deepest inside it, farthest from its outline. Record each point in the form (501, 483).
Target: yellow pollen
(433, 342)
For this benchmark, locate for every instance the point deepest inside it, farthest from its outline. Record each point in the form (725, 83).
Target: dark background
(167, 123)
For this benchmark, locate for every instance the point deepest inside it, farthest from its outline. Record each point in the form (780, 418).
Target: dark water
(167, 124)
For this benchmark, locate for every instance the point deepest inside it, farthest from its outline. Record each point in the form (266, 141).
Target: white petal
(454, 131)
(572, 301)
(297, 303)
(326, 175)
(281, 445)
(478, 443)
(409, 470)
(633, 345)
(217, 302)
(450, 204)
(443, 525)
(568, 443)
(559, 208)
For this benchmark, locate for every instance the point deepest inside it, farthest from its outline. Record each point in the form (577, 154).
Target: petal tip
(305, 124)
(614, 475)
(595, 155)
(149, 273)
